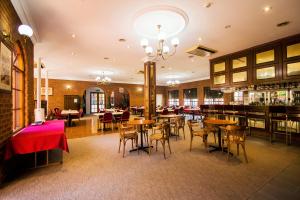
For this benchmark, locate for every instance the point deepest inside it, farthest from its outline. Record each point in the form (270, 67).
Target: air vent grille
(201, 51)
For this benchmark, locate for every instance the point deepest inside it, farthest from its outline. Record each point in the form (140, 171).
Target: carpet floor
(95, 170)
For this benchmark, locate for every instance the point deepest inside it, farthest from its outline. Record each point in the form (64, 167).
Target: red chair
(176, 111)
(165, 111)
(125, 116)
(57, 114)
(107, 119)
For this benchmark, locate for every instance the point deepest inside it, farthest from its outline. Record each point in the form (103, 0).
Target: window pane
(19, 99)
(219, 67)
(19, 80)
(293, 50)
(265, 73)
(240, 62)
(266, 56)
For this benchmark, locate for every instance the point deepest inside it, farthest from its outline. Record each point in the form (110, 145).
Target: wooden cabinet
(270, 63)
(219, 71)
(267, 63)
(240, 68)
(291, 59)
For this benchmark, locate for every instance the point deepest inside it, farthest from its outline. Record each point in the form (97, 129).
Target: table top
(219, 122)
(114, 113)
(141, 122)
(66, 112)
(169, 116)
(192, 109)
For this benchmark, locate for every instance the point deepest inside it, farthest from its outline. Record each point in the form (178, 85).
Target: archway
(93, 100)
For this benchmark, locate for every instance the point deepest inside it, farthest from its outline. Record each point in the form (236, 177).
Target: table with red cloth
(192, 111)
(34, 138)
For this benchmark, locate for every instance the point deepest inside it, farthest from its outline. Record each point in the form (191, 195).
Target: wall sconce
(139, 89)
(68, 87)
(25, 30)
(5, 34)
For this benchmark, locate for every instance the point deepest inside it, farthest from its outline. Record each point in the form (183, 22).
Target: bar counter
(272, 120)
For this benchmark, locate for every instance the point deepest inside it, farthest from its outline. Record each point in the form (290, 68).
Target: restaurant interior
(138, 99)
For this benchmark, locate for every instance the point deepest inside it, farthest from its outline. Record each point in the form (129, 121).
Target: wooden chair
(107, 119)
(127, 133)
(160, 134)
(234, 135)
(178, 124)
(209, 128)
(197, 133)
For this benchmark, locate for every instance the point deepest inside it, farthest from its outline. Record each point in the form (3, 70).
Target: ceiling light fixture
(103, 80)
(25, 30)
(172, 83)
(73, 36)
(162, 51)
(267, 8)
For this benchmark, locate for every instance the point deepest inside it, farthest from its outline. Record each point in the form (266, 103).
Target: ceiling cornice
(25, 17)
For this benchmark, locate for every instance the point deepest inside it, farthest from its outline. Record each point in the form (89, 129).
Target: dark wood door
(72, 102)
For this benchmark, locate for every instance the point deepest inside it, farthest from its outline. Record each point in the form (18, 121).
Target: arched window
(18, 93)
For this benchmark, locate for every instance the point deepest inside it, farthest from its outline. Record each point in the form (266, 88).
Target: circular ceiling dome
(171, 19)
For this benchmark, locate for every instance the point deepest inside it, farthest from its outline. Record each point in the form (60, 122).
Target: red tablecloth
(50, 135)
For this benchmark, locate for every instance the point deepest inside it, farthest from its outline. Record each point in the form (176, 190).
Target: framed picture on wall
(5, 67)
(50, 91)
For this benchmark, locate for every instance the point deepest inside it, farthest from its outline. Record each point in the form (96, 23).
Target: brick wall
(78, 87)
(9, 22)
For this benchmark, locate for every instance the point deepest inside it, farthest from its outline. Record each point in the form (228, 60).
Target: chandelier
(162, 51)
(172, 83)
(103, 80)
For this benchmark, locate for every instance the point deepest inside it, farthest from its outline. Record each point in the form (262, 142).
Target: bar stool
(256, 113)
(293, 117)
(278, 117)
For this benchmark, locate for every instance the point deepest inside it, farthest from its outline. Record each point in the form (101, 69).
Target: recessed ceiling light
(122, 40)
(228, 26)
(267, 8)
(106, 58)
(73, 36)
(128, 47)
(199, 39)
(72, 53)
(207, 4)
(285, 23)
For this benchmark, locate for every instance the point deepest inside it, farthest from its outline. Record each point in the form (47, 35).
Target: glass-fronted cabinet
(266, 63)
(291, 59)
(219, 72)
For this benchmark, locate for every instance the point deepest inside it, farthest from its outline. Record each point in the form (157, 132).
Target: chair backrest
(181, 121)
(235, 131)
(192, 123)
(80, 112)
(165, 111)
(176, 111)
(166, 129)
(107, 117)
(125, 116)
(57, 111)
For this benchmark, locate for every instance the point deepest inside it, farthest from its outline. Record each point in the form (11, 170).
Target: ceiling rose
(172, 20)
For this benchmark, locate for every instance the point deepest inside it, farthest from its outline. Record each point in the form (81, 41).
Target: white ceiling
(98, 24)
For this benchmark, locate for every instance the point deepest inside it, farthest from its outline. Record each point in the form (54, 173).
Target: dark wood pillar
(149, 89)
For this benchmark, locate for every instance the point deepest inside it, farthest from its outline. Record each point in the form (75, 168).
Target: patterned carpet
(94, 170)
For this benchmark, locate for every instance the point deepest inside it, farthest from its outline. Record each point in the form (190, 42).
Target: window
(190, 97)
(18, 95)
(173, 98)
(212, 97)
(97, 101)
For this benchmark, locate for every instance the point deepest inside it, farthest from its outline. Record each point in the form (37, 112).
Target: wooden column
(149, 89)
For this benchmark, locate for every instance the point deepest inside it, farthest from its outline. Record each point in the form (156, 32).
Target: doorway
(97, 101)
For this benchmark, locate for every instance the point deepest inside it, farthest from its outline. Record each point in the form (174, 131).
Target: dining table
(69, 114)
(192, 111)
(169, 117)
(141, 123)
(219, 123)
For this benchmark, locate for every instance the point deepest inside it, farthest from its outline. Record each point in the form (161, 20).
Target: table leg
(219, 147)
(142, 147)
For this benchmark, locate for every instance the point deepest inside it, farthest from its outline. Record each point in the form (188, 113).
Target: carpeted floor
(94, 170)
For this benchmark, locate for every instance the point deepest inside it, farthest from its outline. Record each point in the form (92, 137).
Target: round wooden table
(141, 123)
(219, 123)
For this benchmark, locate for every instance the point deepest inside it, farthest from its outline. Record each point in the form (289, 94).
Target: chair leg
(191, 143)
(163, 144)
(132, 143)
(215, 138)
(169, 146)
(124, 143)
(120, 145)
(156, 145)
(243, 146)
(183, 133)
(228, 150)
(150, 147)
(238, 149)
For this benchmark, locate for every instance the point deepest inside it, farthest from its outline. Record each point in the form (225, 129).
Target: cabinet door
(291, 59)
(219, 72)
(240, 68)
(267, 55)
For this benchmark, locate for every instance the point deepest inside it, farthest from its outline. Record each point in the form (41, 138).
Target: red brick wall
(9, 22)
(78, 87)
